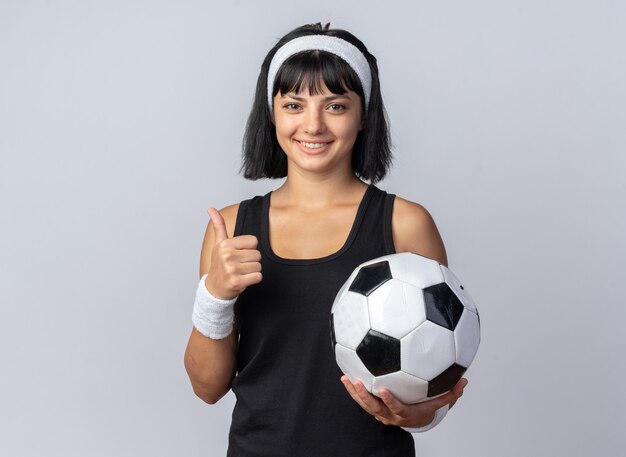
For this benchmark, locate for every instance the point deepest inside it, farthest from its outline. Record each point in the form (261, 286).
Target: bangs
(307, 70)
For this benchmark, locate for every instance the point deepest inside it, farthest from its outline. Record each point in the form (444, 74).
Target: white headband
(341, 48)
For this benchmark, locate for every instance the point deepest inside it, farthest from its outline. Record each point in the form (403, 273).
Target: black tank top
(290, 400)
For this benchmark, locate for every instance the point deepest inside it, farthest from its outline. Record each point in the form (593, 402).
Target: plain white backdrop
(121, 122)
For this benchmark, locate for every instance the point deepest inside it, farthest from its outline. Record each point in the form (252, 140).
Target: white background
(121, 122)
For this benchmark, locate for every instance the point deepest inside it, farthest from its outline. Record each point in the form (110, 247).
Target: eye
(291, 106)
(337, 107)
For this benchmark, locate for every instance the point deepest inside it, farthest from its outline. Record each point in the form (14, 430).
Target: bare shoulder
(414, 230)
(229, 214)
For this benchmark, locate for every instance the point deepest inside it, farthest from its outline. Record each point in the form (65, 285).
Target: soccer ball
(404, 322)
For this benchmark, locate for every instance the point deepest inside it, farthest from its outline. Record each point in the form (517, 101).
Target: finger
(352, 391)
(462, 384)
(369, 403)
(394, 405)
(249, 267)
(240, 282)
(233, 254)
(458, 390)
(244, 242)
(218, 225)
(248, 255)
(372, 404)
(450, 397)
(251, 278)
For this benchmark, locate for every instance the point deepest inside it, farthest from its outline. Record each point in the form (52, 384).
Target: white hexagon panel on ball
(427, 351)
(351, 319)
(403, 386)
(351, 365)
(415, 269)
(396, 308)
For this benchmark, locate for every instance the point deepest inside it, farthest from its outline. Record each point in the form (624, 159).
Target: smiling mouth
(315, 145)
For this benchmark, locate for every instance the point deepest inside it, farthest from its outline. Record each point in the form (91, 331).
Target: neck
(312, 190)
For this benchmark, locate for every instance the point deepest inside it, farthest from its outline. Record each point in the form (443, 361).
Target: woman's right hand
(235, 262)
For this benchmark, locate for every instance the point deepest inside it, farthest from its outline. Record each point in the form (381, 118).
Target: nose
(314, 122)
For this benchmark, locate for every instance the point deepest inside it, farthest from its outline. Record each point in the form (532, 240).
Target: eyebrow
(326, 99)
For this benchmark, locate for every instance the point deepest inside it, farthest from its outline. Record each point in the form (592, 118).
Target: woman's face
(317, 131)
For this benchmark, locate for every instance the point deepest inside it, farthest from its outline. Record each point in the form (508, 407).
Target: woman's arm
(210, 365)
(414, 230)
(231, 265)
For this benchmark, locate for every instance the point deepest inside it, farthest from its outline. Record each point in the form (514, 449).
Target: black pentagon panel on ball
(446, 380)
(332, 330)
(371, 277)
(443, 307)
(380, 353)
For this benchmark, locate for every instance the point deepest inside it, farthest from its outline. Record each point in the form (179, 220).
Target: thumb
(218, 225)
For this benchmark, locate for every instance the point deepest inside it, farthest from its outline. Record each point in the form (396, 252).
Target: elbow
(208, 392)
(204, 384)
(206, 396)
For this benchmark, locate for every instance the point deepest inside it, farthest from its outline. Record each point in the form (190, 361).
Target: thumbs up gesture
(235, 262)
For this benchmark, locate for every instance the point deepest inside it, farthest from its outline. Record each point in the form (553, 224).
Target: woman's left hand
(390, 411)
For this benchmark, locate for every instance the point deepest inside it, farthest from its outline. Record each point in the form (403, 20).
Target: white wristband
(213, 317)
(439, 415)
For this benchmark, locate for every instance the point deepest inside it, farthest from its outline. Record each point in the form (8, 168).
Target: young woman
(271, 266)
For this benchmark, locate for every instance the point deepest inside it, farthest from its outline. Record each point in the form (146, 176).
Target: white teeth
(314, 145)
